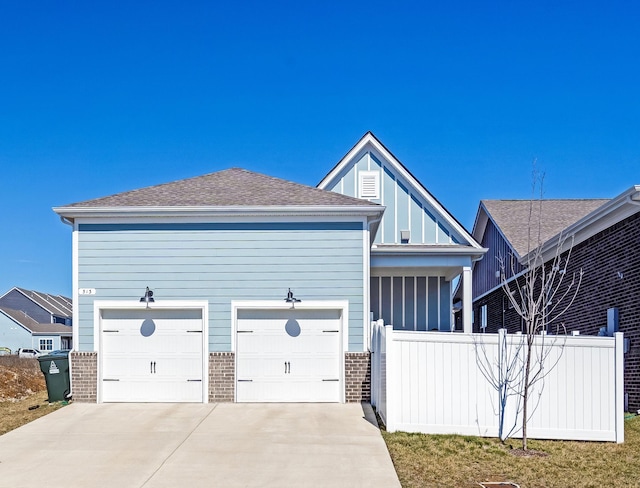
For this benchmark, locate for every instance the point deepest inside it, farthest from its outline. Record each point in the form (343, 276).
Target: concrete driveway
(195, 445)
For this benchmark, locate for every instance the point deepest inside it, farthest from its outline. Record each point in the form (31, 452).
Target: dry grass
(22, 386)
(15, 414)
(460, 461)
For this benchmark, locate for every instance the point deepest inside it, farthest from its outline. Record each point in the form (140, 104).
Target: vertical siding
(221, 263)
(484, 273)
(412, 302)
(405, 208)
(434, 384)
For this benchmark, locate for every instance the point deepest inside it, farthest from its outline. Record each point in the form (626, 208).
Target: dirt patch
(20, 378)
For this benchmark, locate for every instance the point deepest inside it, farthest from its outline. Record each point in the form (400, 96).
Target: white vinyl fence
(439, 383)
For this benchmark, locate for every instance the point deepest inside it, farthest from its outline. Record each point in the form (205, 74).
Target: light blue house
(236, 286)
(17, 329)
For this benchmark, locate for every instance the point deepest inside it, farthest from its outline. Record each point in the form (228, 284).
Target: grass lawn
(15, 413)
(463, 461)
(23, 393)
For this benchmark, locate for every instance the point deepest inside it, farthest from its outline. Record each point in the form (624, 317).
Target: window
(483, 317)
(369, 184)
(46, 345)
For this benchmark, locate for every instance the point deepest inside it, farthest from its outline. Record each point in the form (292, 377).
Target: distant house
(606, 246)
(42, 307)
(34, 319)
(17, 329)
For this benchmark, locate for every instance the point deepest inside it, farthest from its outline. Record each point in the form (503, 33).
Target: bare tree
(540, 294)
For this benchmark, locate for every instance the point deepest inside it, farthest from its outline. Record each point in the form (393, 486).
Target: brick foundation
(84, 376)
(222, 377)
(357, 376)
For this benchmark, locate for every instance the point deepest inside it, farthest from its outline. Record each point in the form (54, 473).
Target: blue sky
(102, 97)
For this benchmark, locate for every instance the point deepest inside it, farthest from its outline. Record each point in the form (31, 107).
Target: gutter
(69, 213)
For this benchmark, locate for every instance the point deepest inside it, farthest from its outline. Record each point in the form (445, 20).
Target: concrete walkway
(194, 445)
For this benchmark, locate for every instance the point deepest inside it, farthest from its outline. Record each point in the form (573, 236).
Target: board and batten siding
(405, 208)
(486, 271)
(412, 302)
(221, 262)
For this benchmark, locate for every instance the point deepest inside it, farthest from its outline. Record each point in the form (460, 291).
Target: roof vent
(369, 186)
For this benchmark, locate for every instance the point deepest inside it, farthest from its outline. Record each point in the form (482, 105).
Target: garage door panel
(289, 356)
(152, 355)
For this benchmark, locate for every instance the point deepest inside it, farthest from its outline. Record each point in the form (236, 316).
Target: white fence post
(392, 400)
(619, 385)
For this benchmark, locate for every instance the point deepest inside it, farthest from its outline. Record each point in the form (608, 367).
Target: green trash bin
(55, 368)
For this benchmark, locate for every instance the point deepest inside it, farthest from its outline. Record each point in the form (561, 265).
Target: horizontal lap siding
(318, 261)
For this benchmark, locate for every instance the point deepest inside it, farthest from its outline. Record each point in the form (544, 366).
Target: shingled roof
(54, 304)
(233, 187)
(33, 325)
(513, 217)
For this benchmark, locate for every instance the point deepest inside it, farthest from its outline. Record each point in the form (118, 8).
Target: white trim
(218, 212)
(75, 320)
(202, 305)
(342, 305)
(361, 177)
(395, 211)
(366, 291)
(370, 139)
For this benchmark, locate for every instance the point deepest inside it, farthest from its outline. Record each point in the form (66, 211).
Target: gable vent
(369, 184)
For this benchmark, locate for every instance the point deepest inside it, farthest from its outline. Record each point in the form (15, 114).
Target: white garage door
(151, 356)
(289, 356)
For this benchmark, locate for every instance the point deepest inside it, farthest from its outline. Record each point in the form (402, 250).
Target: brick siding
(222, 377)
(84, 376)
(357, 376)
(610, 261)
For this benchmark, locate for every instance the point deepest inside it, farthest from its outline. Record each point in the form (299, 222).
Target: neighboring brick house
(606, 247)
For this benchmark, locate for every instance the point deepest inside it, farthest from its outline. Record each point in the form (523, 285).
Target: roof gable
(411, 210)
(233, 187)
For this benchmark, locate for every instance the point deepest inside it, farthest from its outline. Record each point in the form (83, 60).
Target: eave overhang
(372, 213)
(447, 260)
(72, 213)
(619, 208)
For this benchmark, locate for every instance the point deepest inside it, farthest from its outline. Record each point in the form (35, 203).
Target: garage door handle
(110, 330)
(153, 367)
(194, 380)
(195, 331)
(332, 380)
(110, 379)
(245, 332)
(287, 367)
(330, 331)
(245, 381)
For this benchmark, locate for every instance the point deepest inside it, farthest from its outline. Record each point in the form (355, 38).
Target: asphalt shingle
(233, 187)
(544, 218)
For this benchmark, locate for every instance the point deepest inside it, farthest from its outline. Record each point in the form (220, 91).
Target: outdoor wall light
(291, 299)
(148, 297)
